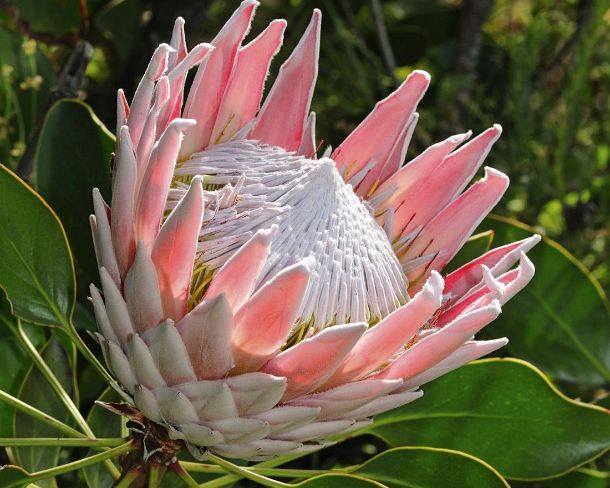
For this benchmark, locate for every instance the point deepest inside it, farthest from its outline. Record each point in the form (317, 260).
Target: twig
(384, 41)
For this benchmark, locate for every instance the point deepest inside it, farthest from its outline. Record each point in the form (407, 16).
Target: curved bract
(256, 299)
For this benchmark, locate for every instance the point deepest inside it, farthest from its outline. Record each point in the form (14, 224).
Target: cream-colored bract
(256, 299)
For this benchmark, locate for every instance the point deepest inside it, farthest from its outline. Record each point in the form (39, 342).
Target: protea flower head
(259, 299)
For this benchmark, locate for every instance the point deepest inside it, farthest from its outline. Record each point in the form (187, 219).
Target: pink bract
(259, 299)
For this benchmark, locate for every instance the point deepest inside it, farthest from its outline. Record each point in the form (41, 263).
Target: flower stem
(43, 367)
(130, 476)
(245, 473)
(65, 442)
(39, 415)
(81, 463)
(232, 478)
(180, 470)
(279, 472)
(154, 475)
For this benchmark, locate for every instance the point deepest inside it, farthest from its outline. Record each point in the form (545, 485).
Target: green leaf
(504, 412)
(104, 424)
(581, 478)
(36, 269)
(72, 158)
(36, 392)
(15, 362)
(342, 480)
(427, 466)
(120, 22)
(561, 320)
(58, 17)
(13, 476)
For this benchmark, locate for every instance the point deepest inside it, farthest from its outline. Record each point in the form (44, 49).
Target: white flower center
(355, 274)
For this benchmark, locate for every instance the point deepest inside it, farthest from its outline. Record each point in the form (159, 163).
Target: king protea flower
(258, 299)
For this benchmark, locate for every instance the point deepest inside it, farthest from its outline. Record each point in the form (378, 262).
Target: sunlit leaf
(504, 412)
(425, 466)
(36, 269)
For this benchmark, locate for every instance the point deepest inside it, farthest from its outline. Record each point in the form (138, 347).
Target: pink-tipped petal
(387, 337)
(212, 78)
(102, 237)
(385, 168)
(123, 188)
(174, 251)
(141, 290)
(433, 348)
(398, 184)
(206, 332)
(308, 142)
(177, 43)
(498, 260)
(240, 105)
(149, 132)
(177, 77)
(275, 307)
(502, 289)
(236, 279)
(398, 153)
(156, 181)
(440, 187)
(122, 110)
(377, 134)
(464, 354)
(311, 362)
(281, 120)
(445, 234)
(142, 98)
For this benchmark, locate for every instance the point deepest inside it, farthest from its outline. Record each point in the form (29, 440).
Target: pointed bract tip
(526, 266)
(494, 307)
(198, 180)
(304, 266)
(496, 174)
(434, 285)
(266, 235)
(492, 283)
(422, 73)
(459, 138)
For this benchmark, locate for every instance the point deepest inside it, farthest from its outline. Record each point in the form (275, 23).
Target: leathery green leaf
(504, 412)
(36, 269)
(407, 467)
(72, 158)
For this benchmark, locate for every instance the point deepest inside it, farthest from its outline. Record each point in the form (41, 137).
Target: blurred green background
(541, 68)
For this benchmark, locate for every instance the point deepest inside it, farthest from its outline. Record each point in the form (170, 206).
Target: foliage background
(540, 68)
